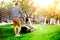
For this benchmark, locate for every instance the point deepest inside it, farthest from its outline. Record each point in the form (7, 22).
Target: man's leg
(14, 23)
(19, 26)
(15, 28)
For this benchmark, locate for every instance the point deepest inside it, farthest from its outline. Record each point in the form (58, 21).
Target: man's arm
(21, 12)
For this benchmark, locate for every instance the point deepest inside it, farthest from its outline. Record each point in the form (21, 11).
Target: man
(16, 13)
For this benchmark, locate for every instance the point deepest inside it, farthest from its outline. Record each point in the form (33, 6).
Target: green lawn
(42, 32)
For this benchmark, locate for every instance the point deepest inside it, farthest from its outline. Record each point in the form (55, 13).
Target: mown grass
(42, 32)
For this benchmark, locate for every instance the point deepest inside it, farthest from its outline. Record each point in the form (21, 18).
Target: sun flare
(43, 3)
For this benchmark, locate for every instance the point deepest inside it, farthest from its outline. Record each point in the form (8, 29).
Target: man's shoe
(17, 35)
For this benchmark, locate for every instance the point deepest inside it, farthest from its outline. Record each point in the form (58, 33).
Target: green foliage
(29, 9)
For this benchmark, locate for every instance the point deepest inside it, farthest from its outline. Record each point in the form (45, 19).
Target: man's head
(16, 4)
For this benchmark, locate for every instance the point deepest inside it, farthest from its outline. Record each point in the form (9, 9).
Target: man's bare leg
(15, 30)
(19, 28)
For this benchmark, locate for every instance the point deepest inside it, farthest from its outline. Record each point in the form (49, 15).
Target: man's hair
(16, 3)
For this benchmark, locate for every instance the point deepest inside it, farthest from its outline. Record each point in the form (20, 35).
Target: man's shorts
(16, 21)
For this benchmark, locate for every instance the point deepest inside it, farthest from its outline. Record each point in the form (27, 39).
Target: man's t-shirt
(16, 12)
